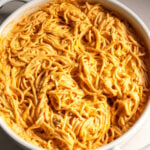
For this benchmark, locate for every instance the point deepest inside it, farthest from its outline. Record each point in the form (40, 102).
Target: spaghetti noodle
(72, 76)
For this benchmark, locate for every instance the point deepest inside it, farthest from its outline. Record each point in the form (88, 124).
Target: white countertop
(142, 138)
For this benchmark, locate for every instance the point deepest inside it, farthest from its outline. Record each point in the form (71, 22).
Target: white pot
(114, 5)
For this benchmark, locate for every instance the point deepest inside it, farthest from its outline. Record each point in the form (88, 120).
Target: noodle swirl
(72, 76)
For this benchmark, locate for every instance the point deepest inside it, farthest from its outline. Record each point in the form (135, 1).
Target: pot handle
(3, 2)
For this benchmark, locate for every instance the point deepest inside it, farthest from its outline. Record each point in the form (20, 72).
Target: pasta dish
(72, 76)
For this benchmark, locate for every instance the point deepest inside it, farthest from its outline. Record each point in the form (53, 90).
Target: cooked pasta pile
(72, 76)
